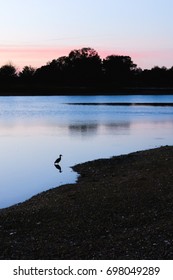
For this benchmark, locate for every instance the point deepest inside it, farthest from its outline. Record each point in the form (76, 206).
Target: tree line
(84, 69)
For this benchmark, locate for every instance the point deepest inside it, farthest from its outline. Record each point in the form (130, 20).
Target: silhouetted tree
(155, 77)
(42, 75)
(55, 71)
(118, 69)
(170, 76)
(80, 67)
(159, 75)
(84, 66)
(27, 74)
(59, 69)
(8, 72)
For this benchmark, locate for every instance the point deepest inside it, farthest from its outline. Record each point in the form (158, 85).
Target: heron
(58, 160)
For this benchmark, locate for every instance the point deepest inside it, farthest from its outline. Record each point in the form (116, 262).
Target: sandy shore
(120, 208)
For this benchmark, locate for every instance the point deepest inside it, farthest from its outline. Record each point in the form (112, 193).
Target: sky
(35, 32)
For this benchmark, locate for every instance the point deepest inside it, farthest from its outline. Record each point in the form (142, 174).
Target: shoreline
(158, 104)
(70, 91)
(120, 208)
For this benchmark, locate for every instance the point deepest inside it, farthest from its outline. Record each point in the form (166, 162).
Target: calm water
(35, 130)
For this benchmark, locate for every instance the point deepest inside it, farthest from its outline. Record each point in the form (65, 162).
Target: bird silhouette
(58, 160)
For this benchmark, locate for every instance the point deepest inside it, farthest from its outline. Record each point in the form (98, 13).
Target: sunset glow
(36, 32)
(34, 57)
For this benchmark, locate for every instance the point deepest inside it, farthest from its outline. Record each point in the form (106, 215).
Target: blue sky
(36, 31)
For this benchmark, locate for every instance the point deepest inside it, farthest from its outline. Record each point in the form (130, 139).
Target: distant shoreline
(48, 91)
(123, 104)
(120, 208)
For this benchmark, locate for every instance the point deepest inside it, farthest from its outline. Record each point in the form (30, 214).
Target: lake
(35, 130)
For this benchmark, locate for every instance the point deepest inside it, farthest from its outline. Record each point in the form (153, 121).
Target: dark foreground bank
(120, 208)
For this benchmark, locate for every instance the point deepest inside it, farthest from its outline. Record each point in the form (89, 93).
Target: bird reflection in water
(56, 163)
(58, 167)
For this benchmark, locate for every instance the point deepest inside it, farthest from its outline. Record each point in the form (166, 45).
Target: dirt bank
(120, 208)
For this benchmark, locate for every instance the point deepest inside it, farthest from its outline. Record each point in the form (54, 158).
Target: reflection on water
(34, 131)
(58, 167)
(83, 129)
(94, 129)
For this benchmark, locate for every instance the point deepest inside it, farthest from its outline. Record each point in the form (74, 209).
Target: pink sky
(34, 57)
(37, 31)
(39, 56)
